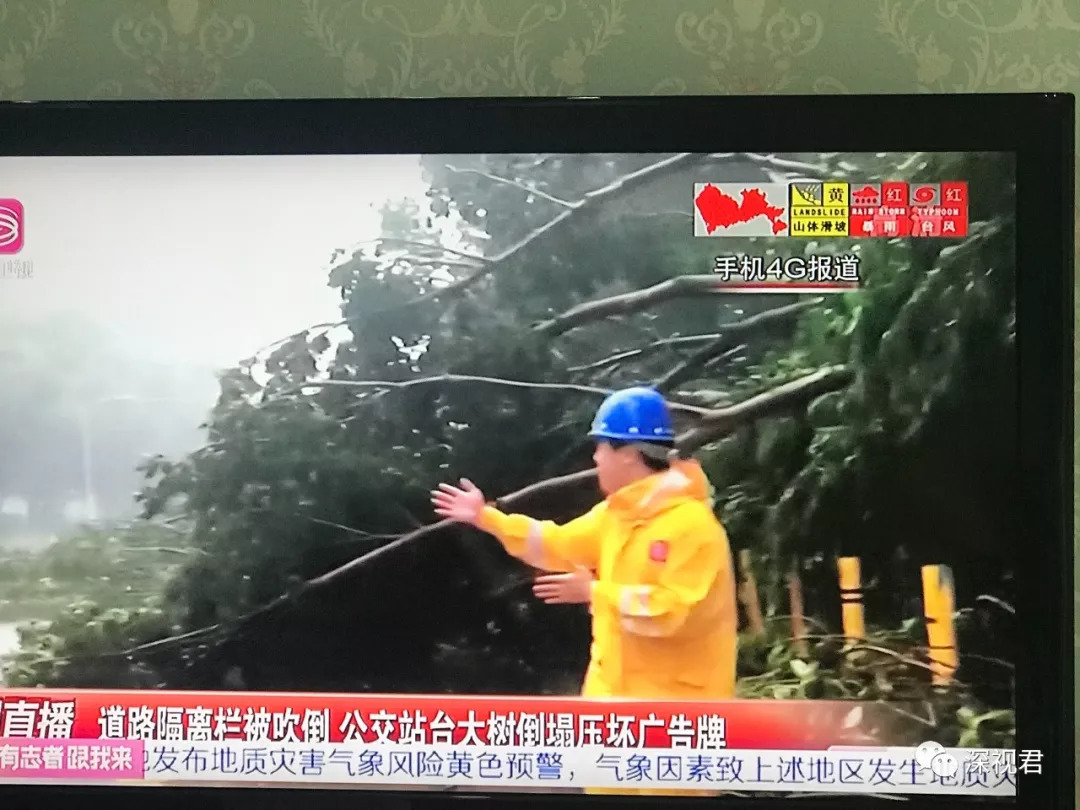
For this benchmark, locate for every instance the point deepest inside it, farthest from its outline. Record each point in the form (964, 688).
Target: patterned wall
(239, 48)
(68, 49)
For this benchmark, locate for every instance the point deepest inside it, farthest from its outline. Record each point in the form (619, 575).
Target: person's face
(613, 467)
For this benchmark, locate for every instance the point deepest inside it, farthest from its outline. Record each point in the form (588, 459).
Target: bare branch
(347, 529)
(352, 565)
(441, 379)
(432, 247)
(667, 290)
(161, 643)
(509, 182)
(797, 393)
(728, 338)
(705, 398)
(807, 170)
(169, 521)
(653, 214)
(689, 286)
(526, 494)
(433, 261)
(648, 348)
(716, 361)
(993, 600)
(717, 341)
(592, 200)
(464, 259)
(716, 424)
(455, 378)
(540, 160)
(306, 333)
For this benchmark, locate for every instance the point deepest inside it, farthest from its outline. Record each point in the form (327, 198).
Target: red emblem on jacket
(658, 551)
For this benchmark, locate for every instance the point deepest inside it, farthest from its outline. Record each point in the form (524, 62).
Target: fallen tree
(713, 425)
(437, 255)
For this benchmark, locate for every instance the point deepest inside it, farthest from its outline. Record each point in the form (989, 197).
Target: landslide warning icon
(819, 209)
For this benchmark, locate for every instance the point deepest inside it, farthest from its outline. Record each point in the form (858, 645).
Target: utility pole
(89, 500)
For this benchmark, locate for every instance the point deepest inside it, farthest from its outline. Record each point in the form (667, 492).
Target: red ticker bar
(433, 720)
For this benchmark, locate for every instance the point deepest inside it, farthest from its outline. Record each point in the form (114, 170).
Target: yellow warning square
(806, 195)
(836, 194)
(818, 201)
(819, 226)
(819, 195)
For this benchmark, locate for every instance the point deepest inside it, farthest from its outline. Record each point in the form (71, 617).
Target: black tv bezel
(1037, 128)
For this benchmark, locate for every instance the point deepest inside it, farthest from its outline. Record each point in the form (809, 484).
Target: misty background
(150, 275)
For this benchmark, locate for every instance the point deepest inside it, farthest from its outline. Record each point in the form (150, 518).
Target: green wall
(78, 49)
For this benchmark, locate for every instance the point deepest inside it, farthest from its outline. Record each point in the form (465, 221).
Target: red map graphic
(720, 210)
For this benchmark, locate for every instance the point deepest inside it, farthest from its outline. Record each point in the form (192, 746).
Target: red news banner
(432, 720)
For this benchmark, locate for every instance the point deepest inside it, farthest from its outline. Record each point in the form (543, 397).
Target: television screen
(673, 473)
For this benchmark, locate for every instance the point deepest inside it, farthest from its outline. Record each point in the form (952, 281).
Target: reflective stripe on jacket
(663, 604)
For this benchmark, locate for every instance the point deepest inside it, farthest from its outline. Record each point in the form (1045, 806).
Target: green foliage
(931, 338)
(121, 565)
(96, 593)
(887, 669)
(84, 646)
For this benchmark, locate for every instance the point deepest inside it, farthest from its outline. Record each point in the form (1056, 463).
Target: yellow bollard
(798, 614)
(749, 595)
(851, 599)
(939, 605)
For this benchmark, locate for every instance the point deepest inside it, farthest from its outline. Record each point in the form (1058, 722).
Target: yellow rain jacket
(663, 603)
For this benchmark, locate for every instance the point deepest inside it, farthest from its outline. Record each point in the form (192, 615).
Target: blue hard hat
(633, 415)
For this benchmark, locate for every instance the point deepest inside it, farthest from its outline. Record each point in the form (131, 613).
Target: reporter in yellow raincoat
(663, 596)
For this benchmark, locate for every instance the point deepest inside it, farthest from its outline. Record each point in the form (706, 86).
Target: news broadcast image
(616, 473)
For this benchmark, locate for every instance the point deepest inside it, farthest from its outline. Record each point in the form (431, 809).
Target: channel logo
(12, 226)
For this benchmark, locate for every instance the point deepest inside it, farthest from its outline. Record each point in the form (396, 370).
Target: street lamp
(84, 411)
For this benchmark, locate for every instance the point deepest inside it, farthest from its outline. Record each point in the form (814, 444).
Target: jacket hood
(684, 480)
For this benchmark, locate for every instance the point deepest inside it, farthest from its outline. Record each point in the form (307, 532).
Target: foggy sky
(201, 260)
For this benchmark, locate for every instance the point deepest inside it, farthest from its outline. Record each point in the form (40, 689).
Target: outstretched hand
(463, 504)
(564, 589)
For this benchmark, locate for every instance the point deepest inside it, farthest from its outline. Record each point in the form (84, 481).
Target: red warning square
(895, 209)
(954, 209)
(926, 209)
(895, 194)
(925, 223)
(879, 210)
(865, 201)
